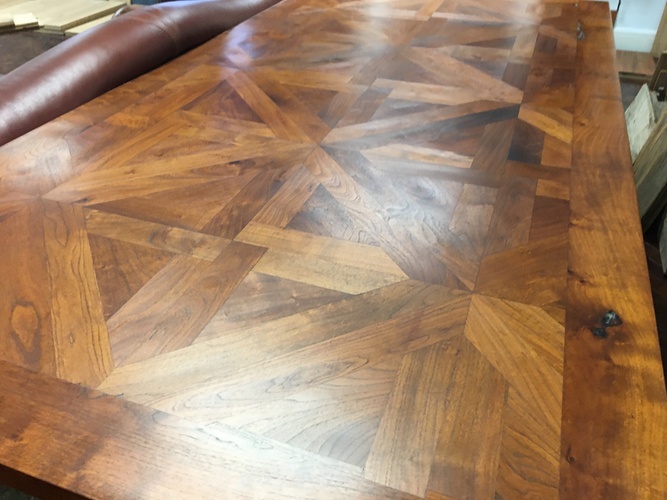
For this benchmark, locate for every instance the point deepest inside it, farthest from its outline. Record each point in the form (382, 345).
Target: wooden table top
(350, 249)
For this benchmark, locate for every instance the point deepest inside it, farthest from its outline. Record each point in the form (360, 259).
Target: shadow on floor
(7, 493)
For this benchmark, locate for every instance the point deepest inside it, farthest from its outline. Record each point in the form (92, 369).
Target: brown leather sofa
(109, 55)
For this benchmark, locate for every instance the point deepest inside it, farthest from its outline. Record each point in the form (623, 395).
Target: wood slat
(132, 439)
(66, 14)
(81, 342)
(607, 275)
(133, 330)
(27, 339)
(404, 449)
(157, 236)
(469, 443)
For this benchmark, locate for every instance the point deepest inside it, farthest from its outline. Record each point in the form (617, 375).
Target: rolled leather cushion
(88, 65)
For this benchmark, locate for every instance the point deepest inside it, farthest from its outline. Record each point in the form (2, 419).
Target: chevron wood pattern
(350, 249)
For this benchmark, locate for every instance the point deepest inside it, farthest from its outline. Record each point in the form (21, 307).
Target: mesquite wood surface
(349, 249)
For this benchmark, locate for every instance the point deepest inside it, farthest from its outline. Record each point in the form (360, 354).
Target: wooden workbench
(350, 249)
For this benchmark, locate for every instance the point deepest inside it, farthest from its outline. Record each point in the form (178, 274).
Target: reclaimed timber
(650, 168)
(211, 459)
(605, 273)
(640, 120)
(663, 242)
(348, 249)
(60, 17)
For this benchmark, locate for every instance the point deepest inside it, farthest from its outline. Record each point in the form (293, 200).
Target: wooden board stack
(646, 121)
(17, 22)
(53, 17)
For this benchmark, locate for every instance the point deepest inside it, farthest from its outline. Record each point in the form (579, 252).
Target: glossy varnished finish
(346, 250)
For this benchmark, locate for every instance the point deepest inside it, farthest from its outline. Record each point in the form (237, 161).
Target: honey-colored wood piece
(640, 119)
(58, 17)
(594, 286)
(635, 63)
(651, 173)
(348, 249)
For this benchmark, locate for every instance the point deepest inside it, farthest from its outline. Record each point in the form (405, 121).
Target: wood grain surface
(349, 249)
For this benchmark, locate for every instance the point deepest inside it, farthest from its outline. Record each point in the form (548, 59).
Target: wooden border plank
(614, 427)
(98, 446)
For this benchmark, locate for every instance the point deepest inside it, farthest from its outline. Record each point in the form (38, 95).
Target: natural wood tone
(61, 16)
(646, 121)
(660, 40)
(635, 63)
(80, 28)
(342, 251)
(651, 173)
(604, 273)
(109, 431)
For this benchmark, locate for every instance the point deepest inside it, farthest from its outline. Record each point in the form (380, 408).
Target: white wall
(637, 23)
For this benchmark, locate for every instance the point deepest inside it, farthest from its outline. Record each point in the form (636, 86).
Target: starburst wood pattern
(350, 249)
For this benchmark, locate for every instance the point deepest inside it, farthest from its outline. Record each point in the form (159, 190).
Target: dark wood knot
(610, 318)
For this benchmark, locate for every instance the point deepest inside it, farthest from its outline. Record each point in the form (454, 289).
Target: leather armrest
(87, 65)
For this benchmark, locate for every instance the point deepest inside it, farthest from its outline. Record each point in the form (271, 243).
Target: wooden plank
(152, 235)
(134, 440)
(344, 432)
(469, 444)
(606, 273)
(25, 308)
(651, 174)
(640, 120)
(75, 30)
(288, 200)
(326, 262)
(635, 63)
(6, 21)
(82, 13)
(529, 354)
(122, 269)
(61, 16)
(83, 354)
(196, 290)
(510, 223)
(6, 4)
(26, 20)
(403, 450)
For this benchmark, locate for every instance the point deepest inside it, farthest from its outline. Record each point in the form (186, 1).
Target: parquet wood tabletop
(349, 249)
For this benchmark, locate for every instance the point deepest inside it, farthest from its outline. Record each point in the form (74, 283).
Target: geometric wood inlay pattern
(349, 249)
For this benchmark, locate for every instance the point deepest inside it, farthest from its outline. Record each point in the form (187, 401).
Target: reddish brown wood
(349, 249)
(605, 273)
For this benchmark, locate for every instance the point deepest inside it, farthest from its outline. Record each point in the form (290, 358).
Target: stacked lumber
(17, 22)
(663, 242)
(55, 17)
(75, 30)
(646, 121)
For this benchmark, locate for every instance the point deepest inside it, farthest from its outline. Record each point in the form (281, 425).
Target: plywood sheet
(86, 26)
(62, 15)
